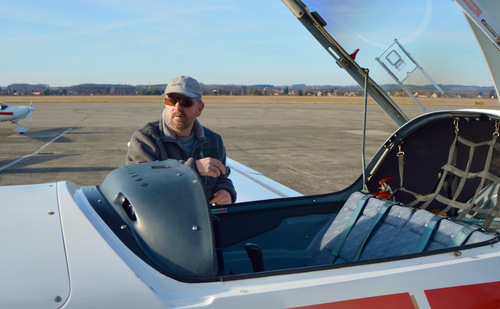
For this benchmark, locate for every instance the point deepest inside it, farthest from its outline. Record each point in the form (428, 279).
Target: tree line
(262, 89)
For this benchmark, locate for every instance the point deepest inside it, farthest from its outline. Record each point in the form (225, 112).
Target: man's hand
(221, 197)
(210, 167)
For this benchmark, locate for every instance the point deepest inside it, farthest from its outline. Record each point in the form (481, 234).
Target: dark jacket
(156, 142)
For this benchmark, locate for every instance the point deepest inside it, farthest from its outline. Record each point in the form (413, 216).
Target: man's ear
(201, 106)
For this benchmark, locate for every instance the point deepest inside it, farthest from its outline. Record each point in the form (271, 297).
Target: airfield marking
(36, 151)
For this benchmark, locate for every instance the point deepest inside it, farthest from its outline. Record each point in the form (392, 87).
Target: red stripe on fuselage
(400, 301)
(482, 295)
(7, 113)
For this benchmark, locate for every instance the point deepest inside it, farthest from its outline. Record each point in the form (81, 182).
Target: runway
(311, 148)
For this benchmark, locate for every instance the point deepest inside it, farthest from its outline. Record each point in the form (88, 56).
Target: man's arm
(214, 168)
(141, 149)
(210, 167)
(221, 197)
(223, 182)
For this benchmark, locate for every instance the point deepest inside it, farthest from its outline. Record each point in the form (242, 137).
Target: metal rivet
(195, 228)
(179, 174)
(51, 213)
(57, 299)
(123, 227)
(457, 253)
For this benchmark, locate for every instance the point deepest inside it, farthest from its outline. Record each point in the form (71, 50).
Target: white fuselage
(59, 253)
(14, 113)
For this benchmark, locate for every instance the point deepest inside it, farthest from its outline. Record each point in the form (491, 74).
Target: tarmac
(311, 148)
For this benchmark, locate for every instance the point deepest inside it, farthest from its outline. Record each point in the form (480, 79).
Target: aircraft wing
(252, 185)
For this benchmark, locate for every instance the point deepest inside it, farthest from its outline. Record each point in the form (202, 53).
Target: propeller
(31, 108)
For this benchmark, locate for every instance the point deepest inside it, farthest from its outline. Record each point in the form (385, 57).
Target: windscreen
(425, 46)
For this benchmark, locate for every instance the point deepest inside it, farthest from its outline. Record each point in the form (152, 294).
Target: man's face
(180, 114)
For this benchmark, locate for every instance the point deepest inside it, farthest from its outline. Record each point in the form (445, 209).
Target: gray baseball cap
(184, 85)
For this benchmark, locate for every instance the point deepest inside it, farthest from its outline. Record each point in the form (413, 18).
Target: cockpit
(440, 180)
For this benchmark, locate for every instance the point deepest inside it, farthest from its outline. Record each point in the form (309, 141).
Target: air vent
(126, 206)
(129, 210)
(158, 166)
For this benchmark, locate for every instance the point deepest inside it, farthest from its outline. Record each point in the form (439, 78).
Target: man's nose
(178, 106)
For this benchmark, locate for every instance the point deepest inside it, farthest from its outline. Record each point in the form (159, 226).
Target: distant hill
(258, 89)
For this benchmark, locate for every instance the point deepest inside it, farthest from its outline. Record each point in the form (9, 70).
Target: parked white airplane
(419, 228)
(16, 113)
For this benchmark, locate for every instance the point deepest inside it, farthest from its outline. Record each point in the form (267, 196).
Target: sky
(64, 43)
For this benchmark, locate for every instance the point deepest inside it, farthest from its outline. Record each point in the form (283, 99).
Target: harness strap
(426, 235)
(495, 213)
(348, 227)
(460, 238)
(381, 211)
(401, 164)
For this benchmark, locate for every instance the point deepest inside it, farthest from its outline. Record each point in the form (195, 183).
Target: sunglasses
(182, 101)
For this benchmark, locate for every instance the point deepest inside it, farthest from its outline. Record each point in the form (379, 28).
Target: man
(179, 135)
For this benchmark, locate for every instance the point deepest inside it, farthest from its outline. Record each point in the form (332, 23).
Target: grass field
(463, 102)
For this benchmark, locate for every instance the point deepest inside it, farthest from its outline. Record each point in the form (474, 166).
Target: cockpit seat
(352, 228)
(369, 228)
(427, 232)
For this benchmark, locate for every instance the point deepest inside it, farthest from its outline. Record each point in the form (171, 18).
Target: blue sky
(63, 43)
